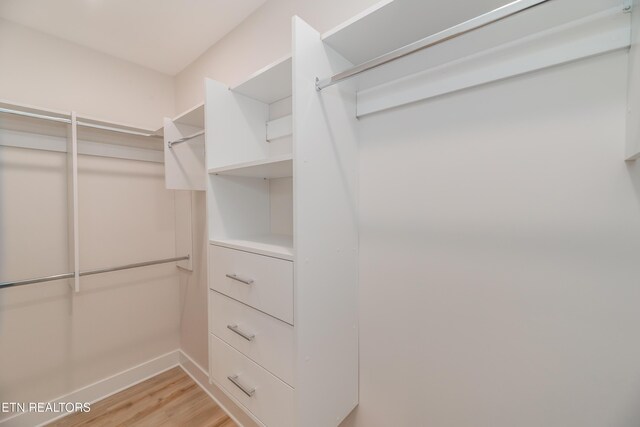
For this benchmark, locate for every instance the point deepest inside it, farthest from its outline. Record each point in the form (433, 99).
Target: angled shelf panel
(274, 167)
(269, 84)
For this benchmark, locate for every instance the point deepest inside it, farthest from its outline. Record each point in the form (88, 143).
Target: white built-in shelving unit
(283, 241)
(281, 181)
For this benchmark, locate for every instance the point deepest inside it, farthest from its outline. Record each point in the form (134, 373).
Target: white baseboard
(130, 377)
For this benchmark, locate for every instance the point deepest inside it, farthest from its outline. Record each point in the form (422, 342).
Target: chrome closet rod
(79, 122)
(136, 265)
(90, 272)
(473, 24)
(184, 139)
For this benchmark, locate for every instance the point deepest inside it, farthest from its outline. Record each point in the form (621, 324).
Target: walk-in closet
(291, 213)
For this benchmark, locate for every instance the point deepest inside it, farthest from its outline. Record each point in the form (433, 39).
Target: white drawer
(270, 287)
(264, 395)
(262, 338)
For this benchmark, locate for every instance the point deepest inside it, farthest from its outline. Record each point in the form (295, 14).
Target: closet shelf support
(473, 24)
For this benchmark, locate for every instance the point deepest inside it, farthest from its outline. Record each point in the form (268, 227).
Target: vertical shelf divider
(633, 108)
(325, 159)
(72, 201)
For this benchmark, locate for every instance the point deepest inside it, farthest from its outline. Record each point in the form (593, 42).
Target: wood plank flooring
(168, 399)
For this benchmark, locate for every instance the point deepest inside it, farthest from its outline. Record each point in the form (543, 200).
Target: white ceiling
(164, 35)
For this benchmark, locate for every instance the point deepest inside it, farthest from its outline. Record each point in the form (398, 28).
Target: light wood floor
(168, 399)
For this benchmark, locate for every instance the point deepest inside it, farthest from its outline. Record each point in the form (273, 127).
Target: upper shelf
(360, 38)
(273, 245)
(4, 104)
(192, 117)
(272, 167)
(269, 84)
(86, 124)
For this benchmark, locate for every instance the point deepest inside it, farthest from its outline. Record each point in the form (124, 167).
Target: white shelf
(545, 36)
(274, 167)
(360, 39)
(34, 110)
(270, 84)
(192, 117)
(273, 245)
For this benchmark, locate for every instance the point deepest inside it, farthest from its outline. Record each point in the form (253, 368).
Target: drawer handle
(246, 336)
(239, 279)
(234, 380)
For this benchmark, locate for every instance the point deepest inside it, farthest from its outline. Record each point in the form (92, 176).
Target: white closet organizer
(281, 166)
(185, 171)
(283, 243)
(68, 133)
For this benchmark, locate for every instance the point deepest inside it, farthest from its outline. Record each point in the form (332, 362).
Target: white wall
(261, 39)
(48, 72)
(54, 341)
(500, 233)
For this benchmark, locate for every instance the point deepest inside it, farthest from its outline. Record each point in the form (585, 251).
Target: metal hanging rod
(184, 139)
(115, 129)
(136, 265)
(79, 122)
(90, 272)
(35, 115)
(476, 23)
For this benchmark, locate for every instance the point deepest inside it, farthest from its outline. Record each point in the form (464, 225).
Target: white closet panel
(72, 201)
(325, 234)
(184, 163)
(633, 111)
(184, 229)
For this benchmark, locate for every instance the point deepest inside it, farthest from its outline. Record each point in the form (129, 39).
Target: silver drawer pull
(234, 380)
(239, 279)
(246, 336)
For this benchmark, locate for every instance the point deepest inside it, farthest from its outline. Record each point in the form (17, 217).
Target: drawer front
(264, 395)
(262, 282)
(262, 338)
